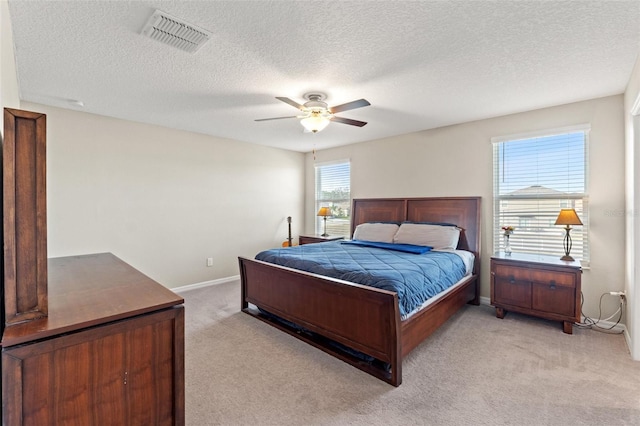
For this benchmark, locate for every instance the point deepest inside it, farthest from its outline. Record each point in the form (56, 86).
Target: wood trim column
(25, 215)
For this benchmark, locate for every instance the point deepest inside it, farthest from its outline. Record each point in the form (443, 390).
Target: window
(534, 177)
(333, 190)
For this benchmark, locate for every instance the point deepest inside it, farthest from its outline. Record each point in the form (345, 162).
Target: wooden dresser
(539, 285)
(110, 352)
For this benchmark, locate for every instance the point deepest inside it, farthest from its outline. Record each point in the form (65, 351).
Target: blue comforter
(415, 277)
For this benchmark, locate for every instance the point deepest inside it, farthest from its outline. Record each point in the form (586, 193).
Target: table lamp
(324, 212)
(567, 217)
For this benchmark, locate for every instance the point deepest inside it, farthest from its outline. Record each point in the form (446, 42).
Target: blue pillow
(405, 248)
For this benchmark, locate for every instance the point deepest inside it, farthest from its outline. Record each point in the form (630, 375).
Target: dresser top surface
(89, 290)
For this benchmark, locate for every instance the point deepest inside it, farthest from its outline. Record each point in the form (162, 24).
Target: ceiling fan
(316, 114)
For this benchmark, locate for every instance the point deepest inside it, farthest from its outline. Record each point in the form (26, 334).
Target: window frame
(566, 199)
(334, 228)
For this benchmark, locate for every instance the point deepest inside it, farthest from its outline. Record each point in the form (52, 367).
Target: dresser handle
(512, 279)
(552, 284)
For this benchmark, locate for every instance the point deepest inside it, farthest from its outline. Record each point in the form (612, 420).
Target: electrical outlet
(209, 261)
(622, 294)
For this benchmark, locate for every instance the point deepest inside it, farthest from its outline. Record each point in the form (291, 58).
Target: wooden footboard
(360, 317)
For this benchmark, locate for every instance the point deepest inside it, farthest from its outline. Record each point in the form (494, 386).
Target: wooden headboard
(462, 211)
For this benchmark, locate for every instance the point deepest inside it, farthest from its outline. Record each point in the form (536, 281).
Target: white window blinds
(535, 177)
(333, 190)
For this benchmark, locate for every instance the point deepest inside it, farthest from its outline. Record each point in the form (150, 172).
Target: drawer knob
(512, 279)
(552, 284)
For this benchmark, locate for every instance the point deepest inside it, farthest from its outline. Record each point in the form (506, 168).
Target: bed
(336, 314)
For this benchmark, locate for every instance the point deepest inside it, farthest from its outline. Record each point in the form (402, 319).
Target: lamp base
(566, 243)
(324, 235)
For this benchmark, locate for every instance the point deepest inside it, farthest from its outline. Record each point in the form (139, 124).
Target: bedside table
(310, 239)
(538, 285)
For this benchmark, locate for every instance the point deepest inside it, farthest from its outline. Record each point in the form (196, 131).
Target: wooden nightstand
(310, 239)
(539, 285)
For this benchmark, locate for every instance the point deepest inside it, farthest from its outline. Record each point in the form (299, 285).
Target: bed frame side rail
(416, 329)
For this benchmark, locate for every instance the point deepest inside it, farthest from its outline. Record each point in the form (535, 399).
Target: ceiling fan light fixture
(315, 122)
(316, 114)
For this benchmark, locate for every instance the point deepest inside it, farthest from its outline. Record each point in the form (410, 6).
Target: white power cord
(593, 324)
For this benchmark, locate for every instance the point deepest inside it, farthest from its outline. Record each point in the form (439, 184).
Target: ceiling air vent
(175, 32)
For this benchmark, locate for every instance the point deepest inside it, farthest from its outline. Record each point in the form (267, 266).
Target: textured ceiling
(421, 64)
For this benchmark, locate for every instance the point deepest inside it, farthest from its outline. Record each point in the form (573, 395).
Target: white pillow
(421, 234)
(378, 232)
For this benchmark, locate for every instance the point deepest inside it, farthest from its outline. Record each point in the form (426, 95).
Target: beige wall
(9, 97)
(164, 200)
(457, 161)
(161, 199)
(632, 153)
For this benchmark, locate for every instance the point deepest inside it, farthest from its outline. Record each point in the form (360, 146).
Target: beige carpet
(475, 370)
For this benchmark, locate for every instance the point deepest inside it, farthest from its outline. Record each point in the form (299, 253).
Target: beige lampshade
(324, 211)
(568, 217)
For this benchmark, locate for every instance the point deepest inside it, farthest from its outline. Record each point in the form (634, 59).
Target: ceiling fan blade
(276, 118)
(348, 121)
(350, 105)
(290, 102)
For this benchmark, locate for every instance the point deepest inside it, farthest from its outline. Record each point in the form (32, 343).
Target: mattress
(416, 278)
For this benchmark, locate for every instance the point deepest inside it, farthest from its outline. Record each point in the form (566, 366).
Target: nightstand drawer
(307, 240)
(553, 278)
(512, 273)
(554, 299)
(312, 239)
(512, 292)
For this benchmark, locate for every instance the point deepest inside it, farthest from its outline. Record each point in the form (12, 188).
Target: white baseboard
(627, 338)
(617, 328)
(205, 284)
